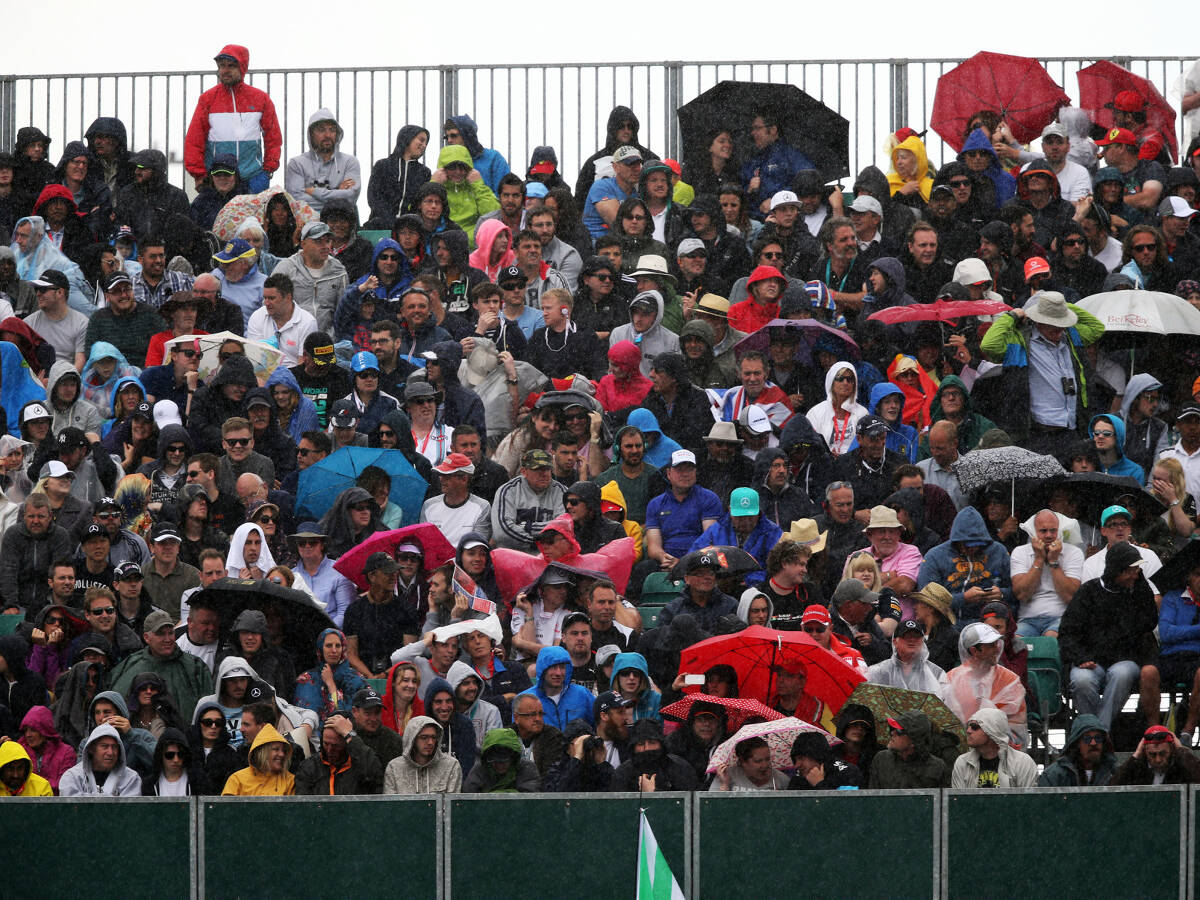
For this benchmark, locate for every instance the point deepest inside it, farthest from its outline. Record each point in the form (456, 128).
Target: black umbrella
(1173, 575)
(1093, 492)
(804, 122)
(303, 619)
(735, 561)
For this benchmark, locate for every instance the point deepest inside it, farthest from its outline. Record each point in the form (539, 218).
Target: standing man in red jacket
(234, 117)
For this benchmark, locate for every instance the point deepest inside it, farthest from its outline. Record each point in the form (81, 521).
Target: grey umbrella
(979, 468)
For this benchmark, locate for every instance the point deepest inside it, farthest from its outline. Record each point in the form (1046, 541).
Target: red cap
(1035, 265)
(454, 462)
(815, 613)
(1117, 136)
(1157, 733)
(903, 134)
(762, 273)
(1129, 101)
(607, 506)
(673, 165)
(545, 167)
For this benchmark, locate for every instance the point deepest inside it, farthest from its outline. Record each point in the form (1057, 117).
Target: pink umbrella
(939, 311)
(779, 735)
(435, 549)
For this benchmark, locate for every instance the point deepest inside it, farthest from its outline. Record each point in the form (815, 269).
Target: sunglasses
(302, 451)
(1144, 248)
(177, 448)
(959, 182)
(973, 726)
(265, 520)
(102, 611)
(637, 217)
(1073, 242)
(572, 501)
(237, 442)
(54, 620)
(212, 723)
(389, 257)
(418, 400)
(173, 754)
(386, 432)
(512, 286)
(307, 542)
(190, 354)
(1103, 433)
(1092, 739)
(108, 515)
(766, 255)
(604, 276)
(845, 378)
(360, 507)
(193, 473)
(815, 629)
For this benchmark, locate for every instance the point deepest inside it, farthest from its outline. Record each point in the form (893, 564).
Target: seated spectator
(972, 566)
(267, 774)
(982, 683)
(176, 773)
(908, 761)
(49, 754)
(17, 778)
(102, 770)
(1160, 758)
(744, 527)
(1045, 575)
(852, 612)
(468, 700)
(752, 772)
(989, 761)
(502, 768)
(817, 769)
(1086, 761)
(909, 667)
(631, 680)
(186, 676)
(650, 767)
(1179, 654)
(561, 700)
(786, 587)
(423, 767)
(329, 687)
(345, 765)
(700, 598)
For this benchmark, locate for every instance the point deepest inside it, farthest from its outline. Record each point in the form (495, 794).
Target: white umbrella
(263, 357)
(1143, 312)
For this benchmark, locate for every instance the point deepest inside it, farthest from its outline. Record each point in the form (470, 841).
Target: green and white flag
(655, 880)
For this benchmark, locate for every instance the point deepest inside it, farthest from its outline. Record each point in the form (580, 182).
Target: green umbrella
(888, 702)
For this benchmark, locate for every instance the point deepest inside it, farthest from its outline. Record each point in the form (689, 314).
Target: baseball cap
(51, 278)
(164, 531)
(574, 618)
(319, 346)
(1117, 136)
(644, 300)
(608, 700)
(455, 462)
(56, 469)
(365, 697)
(1112, 511)
(510, 275)
(1188, 411)
(815, 613)
(535, 189)
(627, 155)
(156, 621)
(872, 425)
(34, 411)
(258, 400)
(606, 654)
(107, 503)
(688, 246)
(364, 361)
(743, 501)
(379, 561)
(238, 248)
(754, 419)
(1172, 206)
(985, 634)
(126, 570)
(1128, 101)
(545, 167)
(941, 187)
(535, 459)
(908, 626)
(314, 230)
(1035, 265)
(866, 203)
(1055, 129)
(221, 165)
(344, 414)
(95, 531)
(417, 388)
(682, 457)
(116, 278)
(146, 411)
(784, 198)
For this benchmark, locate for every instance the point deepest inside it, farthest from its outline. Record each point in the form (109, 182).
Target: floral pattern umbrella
(779, 735)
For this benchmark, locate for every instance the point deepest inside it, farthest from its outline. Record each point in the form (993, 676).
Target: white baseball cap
(679, 457)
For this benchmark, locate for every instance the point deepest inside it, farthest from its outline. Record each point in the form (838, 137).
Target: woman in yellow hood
(909, 177)
(267, 775)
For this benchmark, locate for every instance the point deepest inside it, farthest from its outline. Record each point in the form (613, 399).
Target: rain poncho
(975, 685)
(838, 433)
(17, 385)
(918, 675)
(101, 393)
(235, 562)
(44, 255)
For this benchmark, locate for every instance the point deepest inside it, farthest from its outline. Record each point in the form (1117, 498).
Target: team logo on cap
(229, 247)
(1114, 133)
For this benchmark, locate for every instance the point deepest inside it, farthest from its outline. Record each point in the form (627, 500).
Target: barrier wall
(1114, 842)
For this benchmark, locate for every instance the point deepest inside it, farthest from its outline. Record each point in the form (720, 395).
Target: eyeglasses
(102, 611)
(959, 182)
(537, 714)
(190, 354)
(766, 255)
(1144, 248)
(177, 448)
(1073, 242)
(212, 723)
(265, 520)
(108, 515)
(237, 442)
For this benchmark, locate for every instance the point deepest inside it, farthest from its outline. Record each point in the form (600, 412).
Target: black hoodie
(399, 422)
(356, 256)
(210, 406)
(122, 172)
(460, 405)
(394, 181)
(94, 201)
(786, 506)
(593, 531)
(433, 188)
(913, 503)
(197, 779)
(689, 418)
(587, 172)
(30, 177)
(273, 442)
(456, 297)
(147, 208)
(27, 689)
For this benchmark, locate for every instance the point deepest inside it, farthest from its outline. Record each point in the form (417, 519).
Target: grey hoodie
(320, 295)
(80, 780)
(441, 775)
(654, 341)
(79, 414)
(484, 716)
(315, 180)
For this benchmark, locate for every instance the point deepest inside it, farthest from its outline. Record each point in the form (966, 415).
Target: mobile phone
(693, 679)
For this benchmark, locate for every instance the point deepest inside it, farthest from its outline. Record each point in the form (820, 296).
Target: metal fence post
(8, 110)
(899, 93)
(674, 99)
(448, 94)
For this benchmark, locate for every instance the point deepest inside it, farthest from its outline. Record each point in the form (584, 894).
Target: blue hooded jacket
(659, 455)
(305, 417)
(111, 422)
(489, 163)
(952, 569)
(766, 534)
(17, 385)
(1178, 629)
(649, 699)
(346, 318)
(1123, 465)
(575, 702)
(901, 439)
(1006, 185)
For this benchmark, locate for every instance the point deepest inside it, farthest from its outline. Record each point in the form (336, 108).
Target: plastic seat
(659, 590)
(9, 623)
(1044, 673)
(650, 613)
(373, 236)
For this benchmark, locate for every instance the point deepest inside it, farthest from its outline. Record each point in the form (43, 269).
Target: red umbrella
(755, 651)
(435, 549)
(939, 311)
(737, 709)
(1017, 88)
(1100, 83)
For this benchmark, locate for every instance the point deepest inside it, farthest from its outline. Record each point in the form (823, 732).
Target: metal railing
(517, 106)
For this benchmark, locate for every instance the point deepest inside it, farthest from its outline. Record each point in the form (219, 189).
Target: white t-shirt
(474, 514)
(1093, 567)
(1045, 600)
(176, 788)
(1110, 256)
(547, 625)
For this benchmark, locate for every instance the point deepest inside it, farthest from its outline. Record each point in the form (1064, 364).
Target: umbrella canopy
(1100, 83)
(1173, 575)
(242, 207)
(263, 357)
(1143, 312)
(804, 122)
(779, 734)
(888, 702)
(811, 331)
(979, 468)
(737, 709)
(321, 483)
(940, 311)
(1093, 492)
(1017, 88)
(734, 561)
(516, 570)
(435, 549)
(303, 618)
(754, 652)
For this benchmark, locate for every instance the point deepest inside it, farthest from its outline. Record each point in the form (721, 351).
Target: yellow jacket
(612, 493)
(35, 785)
(251, 782)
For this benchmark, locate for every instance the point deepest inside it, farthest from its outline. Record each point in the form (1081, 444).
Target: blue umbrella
(321, 483)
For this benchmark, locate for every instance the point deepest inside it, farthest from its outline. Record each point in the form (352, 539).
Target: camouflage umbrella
(888, 702)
